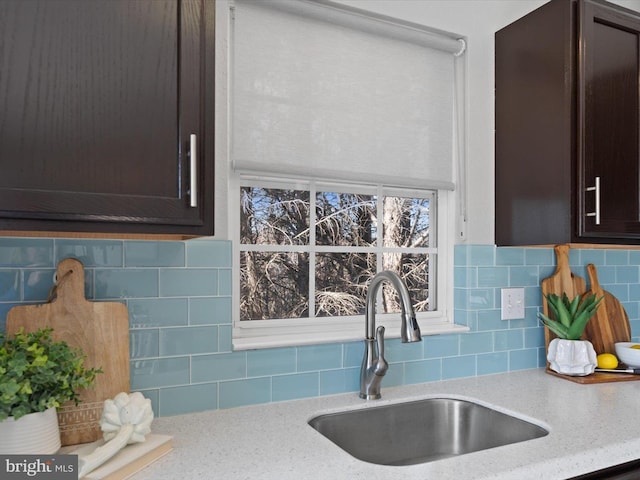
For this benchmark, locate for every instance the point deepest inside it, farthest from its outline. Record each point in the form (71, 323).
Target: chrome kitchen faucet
(374, 365)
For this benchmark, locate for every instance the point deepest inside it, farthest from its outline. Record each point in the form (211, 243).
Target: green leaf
(559, 309)
(573, 306)
(552, 301)
(588, 302)
(563, 310)
(37, 373)
(571, 316)
(556, 327)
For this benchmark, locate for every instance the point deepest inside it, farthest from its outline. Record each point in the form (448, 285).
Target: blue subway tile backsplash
(159, 372)
(197, 282)
(26, 252)
(188, 340)
(111, 284)
(272, 361)
(190, 398)
(339, 381)
(249, 391)
(154, 254)
(299, 385)
(10, 285)
(158, 312)
(97, 253)
(319, 357)
(179, 296)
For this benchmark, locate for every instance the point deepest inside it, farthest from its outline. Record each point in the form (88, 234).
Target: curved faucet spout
(410, 331)
(374, 365)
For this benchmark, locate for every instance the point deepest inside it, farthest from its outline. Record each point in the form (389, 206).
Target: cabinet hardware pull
(193, 170)
(596, 189)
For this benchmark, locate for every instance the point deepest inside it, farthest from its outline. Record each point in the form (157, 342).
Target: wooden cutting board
(100, 329)
(561, 281)
(610, 323)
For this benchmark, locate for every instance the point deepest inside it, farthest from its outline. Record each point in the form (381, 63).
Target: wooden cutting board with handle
(100, 329)
(561, 281)
(610, 323)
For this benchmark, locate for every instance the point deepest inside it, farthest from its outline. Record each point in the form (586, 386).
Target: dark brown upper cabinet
(567, 125)
(106, 117)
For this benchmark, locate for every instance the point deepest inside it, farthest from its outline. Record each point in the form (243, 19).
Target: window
(311, 253)
(305, 252)
(345, 154)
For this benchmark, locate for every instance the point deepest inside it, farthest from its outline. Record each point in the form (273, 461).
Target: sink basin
(422, 431)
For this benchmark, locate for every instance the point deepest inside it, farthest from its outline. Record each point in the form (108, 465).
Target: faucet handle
(380, 341)
(381, 366)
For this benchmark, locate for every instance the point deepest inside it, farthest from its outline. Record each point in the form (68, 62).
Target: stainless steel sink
(422, 431)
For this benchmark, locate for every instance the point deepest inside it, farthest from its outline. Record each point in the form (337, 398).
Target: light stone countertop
(591, 427)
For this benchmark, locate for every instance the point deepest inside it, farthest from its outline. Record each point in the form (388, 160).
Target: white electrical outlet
(512, 303)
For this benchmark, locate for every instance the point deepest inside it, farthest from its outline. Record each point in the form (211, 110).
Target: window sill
(288, 339)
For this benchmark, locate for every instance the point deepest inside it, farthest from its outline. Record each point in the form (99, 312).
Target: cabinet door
(608, 109)
(99, 101)
(535, 126)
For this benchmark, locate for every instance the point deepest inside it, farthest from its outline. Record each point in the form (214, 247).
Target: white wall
(477, 20)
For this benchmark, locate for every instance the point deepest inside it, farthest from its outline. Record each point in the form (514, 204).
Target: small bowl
(627, 355)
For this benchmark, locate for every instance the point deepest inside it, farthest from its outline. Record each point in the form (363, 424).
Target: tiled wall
(179, 300)
(482, 271)
(178, 295)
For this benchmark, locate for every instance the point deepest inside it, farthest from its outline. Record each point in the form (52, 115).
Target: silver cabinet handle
(596, 190)
(193, 170)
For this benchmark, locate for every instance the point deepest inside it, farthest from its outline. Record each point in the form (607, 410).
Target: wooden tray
(128, 461)
(597, 377)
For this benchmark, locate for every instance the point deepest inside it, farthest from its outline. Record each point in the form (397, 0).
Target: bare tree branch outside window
(344, 251)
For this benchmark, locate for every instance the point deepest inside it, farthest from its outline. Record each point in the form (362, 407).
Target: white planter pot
(33, 434)
(572, 357)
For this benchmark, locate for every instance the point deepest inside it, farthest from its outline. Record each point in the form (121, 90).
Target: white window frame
(256, 334)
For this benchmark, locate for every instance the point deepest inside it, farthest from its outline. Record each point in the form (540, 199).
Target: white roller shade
(328, 92)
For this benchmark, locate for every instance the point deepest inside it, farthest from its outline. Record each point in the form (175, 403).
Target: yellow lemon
(637, 347)
(607, 360)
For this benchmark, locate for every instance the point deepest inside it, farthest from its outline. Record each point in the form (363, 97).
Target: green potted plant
(37, 375)
(567, 354)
